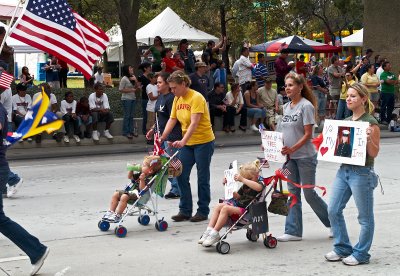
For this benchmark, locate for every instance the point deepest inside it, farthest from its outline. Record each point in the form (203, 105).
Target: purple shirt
(281, 67)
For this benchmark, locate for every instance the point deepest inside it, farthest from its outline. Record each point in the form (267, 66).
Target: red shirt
(300, 64)
(169, 64)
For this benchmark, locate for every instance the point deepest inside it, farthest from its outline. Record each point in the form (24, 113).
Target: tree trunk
(225, 54)
(128, 11)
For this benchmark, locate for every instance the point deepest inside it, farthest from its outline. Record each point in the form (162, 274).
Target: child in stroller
(252, 185)
(139, 176)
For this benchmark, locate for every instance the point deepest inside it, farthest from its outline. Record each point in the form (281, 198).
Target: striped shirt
(260, 73)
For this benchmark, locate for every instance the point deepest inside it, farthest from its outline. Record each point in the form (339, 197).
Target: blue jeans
(342, 111)
(302, 171)
(174, 180)
(15, 232)
(256, 112)
(129, 110)
(201, 156)
(321, 101)
(144, 114)
(360, 182)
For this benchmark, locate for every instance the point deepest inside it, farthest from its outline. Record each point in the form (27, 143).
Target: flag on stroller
(157, 149)
(36, 120)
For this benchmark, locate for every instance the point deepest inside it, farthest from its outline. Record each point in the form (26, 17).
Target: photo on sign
(344, 142)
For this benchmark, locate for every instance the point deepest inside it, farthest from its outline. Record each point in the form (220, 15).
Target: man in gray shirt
(335, 75)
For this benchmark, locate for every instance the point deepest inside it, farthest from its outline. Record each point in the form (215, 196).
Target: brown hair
(154, 162)
(316, 68)
(362, 91)
(179, 77)
(306, 91)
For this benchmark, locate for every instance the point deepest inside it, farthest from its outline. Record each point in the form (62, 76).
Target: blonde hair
(362, 91)
(249, 170)
(179, 77)
(154, 162)
(306, 91)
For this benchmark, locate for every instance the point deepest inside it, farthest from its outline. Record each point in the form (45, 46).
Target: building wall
(382, 30)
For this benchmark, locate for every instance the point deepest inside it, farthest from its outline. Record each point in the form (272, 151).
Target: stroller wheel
(161, 225)
(223, 247)
(270, 242)
(144, 219)
(251, 236)
(120, 231)
(103, 225)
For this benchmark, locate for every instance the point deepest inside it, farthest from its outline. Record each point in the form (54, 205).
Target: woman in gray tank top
(297, 127)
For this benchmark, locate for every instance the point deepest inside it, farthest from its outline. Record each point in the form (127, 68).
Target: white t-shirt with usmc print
(21, 104)
(98, 102)
(68, 108)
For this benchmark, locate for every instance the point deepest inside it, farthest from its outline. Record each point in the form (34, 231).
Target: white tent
(19, 47)
(168, 25)
(354, 40)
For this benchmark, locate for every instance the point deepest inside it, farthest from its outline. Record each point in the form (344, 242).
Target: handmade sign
(272, 143)
(344, 142)
(231, 185)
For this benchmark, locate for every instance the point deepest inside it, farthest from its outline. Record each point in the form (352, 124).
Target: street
(62, 200)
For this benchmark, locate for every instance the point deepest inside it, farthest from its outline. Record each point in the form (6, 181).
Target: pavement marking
(1, 269)
(62, 272)
(12, 259)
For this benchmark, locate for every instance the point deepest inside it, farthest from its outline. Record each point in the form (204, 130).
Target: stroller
(155, 187)
(254, 220)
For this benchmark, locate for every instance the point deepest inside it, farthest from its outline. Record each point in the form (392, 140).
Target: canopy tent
(19, 47)
(354, 40)
(168, 25)
(295, 44)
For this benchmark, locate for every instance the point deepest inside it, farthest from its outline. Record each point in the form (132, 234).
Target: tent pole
(119, 61)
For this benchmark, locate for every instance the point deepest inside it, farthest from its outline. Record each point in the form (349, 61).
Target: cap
(268, 80)
(200, 64)
(21, 87)
(345, 132)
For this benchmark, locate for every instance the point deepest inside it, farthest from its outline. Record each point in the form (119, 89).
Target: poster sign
(272, 142)
(231, 185)
(344, 142)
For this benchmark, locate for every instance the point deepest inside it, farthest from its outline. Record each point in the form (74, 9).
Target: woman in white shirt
(152, 93)
(235, 106)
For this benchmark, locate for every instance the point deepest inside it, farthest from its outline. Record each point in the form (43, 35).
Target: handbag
(278, 204)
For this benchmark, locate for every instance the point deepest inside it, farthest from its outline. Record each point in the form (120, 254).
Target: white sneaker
(211, 239)
(77, 139)
(29, 139)
(108, 134)
(253, 127)
(330, 233)
(114, 218)
(350, 260)
(204, 236)
(38, 265)
(108, 215)
(287, 237)
(12, 190)
(333, 256)
(95, 135)
(66, 139)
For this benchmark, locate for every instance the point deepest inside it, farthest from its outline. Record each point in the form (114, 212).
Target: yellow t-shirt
(182, 109)
(343, 94)
(368, 79)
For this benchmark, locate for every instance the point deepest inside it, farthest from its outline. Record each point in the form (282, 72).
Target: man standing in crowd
(281, 69)
(214, 50)
(244, 69)
(388, 81)
(368, 55)
(187, 56)
(260, 70)
(301, 67)
(335, 75)
(199, 79)
(52, 69)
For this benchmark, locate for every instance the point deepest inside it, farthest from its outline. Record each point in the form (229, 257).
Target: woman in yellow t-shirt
(371, 81)
(342, 110)
(196, 147)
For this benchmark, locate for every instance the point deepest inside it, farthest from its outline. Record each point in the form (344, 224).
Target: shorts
(233, 202)
(132, 194)
(334, 93)
(374, 97)
(270, 112)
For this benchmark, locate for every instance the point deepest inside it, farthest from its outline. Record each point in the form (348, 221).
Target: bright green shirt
(387, 88)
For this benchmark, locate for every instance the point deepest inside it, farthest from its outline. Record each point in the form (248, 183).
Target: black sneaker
(171, 195)
(180, 217)
(197, 217)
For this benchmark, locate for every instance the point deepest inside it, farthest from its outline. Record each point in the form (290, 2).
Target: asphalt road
(62, 201)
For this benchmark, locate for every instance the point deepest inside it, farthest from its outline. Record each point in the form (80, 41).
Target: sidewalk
(51, 149)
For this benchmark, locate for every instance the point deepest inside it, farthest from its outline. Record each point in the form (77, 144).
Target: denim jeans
(144, 114)
(387, 106)
(359, 182)
(201, 156)
(342, 111)
(68, 120)
(129, 110)
(302, 171)
(256, 112)
(174, 180)
(321, 102)
(15, 232)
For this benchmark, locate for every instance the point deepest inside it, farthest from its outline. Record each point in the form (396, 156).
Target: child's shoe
(108, 215)
(211, 239)
(204, 236)
(115, 218)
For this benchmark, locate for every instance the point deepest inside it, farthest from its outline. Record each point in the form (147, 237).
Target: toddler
(139, 176)
(393, 125)
(235, 207)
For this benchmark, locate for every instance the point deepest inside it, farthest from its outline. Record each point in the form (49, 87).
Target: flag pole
(9, 25)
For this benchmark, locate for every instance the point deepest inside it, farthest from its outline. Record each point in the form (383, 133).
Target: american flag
(157, 150)
(284, 171)
(175, 163)
(52, 26)
(5, 80)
